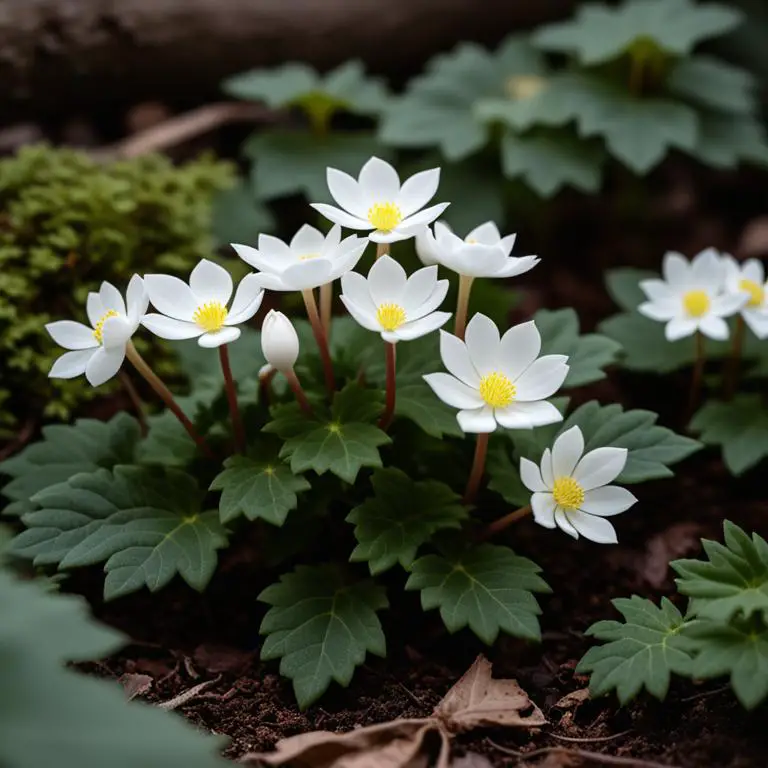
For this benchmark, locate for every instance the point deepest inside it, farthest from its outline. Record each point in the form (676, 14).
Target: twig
(187, 696)
(22, 438)
(705, 694)
(587, 740)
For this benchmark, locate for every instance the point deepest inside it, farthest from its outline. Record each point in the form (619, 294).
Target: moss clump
(68, 222)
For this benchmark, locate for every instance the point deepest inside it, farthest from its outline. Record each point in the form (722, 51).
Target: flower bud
(279, 341)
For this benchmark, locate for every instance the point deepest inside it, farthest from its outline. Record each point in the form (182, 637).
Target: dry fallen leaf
(135, 685)
(671, 543)
(573, 699)
(476, 700)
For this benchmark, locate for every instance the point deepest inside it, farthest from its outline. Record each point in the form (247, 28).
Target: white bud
(279, 341)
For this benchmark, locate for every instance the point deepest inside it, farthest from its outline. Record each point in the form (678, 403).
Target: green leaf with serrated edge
(532, 442)
(739, 649)
(641, 652)
(401, 516)
(167, 442)
(599, 33)
(295, 163)
(145, 522)
(714, 84)
(486, 588)
(437, 109)
(727, 140)
(238, 217)
(341, 444)
(321, 626)
(740, 426)
(732, 582)
(549, 163)
(504, 475)
(418, 403)
(65, 451)
(257, 489)
(52, 715)
(345, 88)
(588, 355)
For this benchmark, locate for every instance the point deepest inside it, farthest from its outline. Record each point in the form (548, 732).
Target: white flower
(377, 201)
(199, 310)
(498, 380)
(312, 259)
(398, 307)
(691, 296)
(749, 278)
(279, 341)
(482, 253)
(571, 490)
(99, 351)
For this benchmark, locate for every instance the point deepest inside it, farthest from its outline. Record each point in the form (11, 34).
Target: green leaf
(714, 84)
(258, 490)
(145, 522)
(238, 217)
(51, 715)
(588, 355)
(437, 109)
(726, 140)
(418, 403)
(550, 162)
(295, 163)
(320, 627)
(341, 444)
(739, 650)
(740, 426)
(401, 516)
(599, 33)
(733, 582)
(167, 442)
(641, 652)
(486, 588)
(504, 475)
(65, 451)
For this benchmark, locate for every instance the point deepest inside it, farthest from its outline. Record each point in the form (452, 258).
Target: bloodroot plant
(343, 438)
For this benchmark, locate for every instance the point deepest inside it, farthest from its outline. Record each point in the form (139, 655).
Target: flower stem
(301, 398)
(389, 407)
(382, 249)
(234, 411)
(326, 306)
(133, 396)
(478, 467)
(733, 365)
(320, 338)
(697, 375)
(265, 384)
(462, 304)
(165, 395)
(504, 522)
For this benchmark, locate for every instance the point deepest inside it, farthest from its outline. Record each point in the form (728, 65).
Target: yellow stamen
(567, 493)
(308, 256)
(470, 241)
(497, 390)
(384, 216)
(696, 303)
(210, 316)
(390, 316)
(98, 329)
(524, 86)
(755, 290)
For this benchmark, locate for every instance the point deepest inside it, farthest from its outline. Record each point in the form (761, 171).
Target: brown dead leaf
(675, 541)
(754, 238)
(135, 685)
(472, 760)
(479, 700)
(573, 699)
(221, 658)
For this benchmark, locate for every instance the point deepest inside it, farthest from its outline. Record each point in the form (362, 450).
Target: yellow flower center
(210, 316)
(470, 241)
(567, 493)
(308, 256)
(524, 86)
(390, 316)
(755, 290)
(497, 390)
(384, 216)
(98, 329)
(696, 303)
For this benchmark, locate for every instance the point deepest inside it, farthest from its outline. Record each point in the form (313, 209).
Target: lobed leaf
(713, 84)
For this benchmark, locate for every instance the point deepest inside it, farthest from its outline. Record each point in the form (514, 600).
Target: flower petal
(434, 300)
(546, 468)
(454, 392)
(422, 326)
(519, 347)
(660, 309)
(530, 474)
(542, 378)
(487, 233)
(753, 270)
(419, 288)
(514, 266)
(259, 260)
(386, 281)
(600, 467)
(479, 420)
(528, 415)
(137, 299)
(714, 327)
(274, 248)
(417, 191)
(411, 225)
(728, 303)
(304, 275)
(217, 338)
(426, 247)
(247, 301)
(342, 264)
(657, 290)
(676, 270)
(483, 343)
(564, 524)
(355, 287)
(707, 271)
(347, 193)
(71, 364)
(757, 322)
(360, 315)
(171, 296)
(543, 506)
(607, 500)
(103, 365)
(679, 327)
(94, 308)
(111, 298)
(71, 335)
(211, 282)
(595, 529)
(508, 243)
(170, 328)
(567, 451)
(308, 239)
(379, 182)
(456, 359)
(337, 216)
(116, 331)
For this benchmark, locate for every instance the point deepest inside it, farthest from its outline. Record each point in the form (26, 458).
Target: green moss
(67, 222)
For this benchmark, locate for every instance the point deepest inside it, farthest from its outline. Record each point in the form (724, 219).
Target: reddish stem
(321, 339)
(478, 467)
(298, 391)
(389, 407)
(229, 386)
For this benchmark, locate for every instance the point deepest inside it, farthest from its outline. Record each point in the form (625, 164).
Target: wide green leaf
(259, 490)
(402, 515)
(641, 652)
(145, 523)
(65, 451)
(487, 588)
(504, 474)
(321, 626)
(727, 140)
(419, 403)
(714, 84)
(732, 582)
